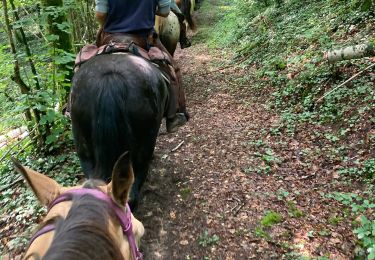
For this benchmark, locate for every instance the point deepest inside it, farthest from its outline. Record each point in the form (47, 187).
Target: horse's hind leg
(84, 153)
(141, 159)
(141, 171)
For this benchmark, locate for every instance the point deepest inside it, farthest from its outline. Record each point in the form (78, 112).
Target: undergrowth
(282, 45)
(20, 209)
(286, 44)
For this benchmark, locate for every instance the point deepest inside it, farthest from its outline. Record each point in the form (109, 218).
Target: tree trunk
(351, 52)
(27, 48)
(64, 41)
(25, 89)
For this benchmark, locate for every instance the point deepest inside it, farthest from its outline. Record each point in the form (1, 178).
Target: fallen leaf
(184, 242)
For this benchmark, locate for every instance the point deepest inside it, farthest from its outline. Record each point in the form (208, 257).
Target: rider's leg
(177, 95)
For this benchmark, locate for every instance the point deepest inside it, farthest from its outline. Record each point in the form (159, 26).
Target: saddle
(154, 54)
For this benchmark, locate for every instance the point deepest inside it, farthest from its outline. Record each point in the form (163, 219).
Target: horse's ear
(122, 179)
(45, 188)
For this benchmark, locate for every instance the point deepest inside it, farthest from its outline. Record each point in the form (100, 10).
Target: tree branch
(345, 82)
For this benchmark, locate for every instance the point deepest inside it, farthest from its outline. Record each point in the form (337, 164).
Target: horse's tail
(111, 130)
(188, 16)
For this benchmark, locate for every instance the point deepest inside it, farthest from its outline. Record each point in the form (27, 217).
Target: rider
(135, 20)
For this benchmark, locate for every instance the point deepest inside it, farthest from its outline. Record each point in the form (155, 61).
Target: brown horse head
(86, 226)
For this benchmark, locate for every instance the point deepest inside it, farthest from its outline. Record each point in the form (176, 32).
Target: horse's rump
(117, 104)
(168, 29)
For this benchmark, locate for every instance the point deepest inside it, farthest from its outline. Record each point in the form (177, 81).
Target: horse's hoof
(185, 43)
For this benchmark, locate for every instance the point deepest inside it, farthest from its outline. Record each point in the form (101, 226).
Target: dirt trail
(206, 199)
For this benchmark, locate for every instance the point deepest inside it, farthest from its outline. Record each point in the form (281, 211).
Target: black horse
(117, 104)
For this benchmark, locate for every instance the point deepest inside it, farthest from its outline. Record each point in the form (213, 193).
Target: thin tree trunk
(27, 48)
(16, 77)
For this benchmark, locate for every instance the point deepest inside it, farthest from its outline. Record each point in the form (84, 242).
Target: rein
(124, 216)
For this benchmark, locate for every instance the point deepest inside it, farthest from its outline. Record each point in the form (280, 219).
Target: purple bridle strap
(124, 216)
(42, 231)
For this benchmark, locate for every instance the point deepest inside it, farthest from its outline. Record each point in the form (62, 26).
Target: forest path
(206, 198)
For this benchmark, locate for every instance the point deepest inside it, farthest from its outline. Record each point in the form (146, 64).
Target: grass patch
(270, 219)
(293, 211)
(335, 220)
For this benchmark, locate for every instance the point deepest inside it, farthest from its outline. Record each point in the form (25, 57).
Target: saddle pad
(91, 50)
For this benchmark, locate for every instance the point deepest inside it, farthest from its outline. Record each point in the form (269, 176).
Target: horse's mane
(84, 234)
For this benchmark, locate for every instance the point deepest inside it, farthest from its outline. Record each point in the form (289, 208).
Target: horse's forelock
(84, 233)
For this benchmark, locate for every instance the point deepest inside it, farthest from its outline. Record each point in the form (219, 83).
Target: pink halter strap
(124, 216)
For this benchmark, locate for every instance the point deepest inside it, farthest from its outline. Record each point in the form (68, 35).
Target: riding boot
(184, 41)
(176, 103)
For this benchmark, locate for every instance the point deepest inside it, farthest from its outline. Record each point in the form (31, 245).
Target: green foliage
(19, 203)
(364, 5)
(206, 240)
(269, 158)
(268, 220)
(271, 218)
(366, 229)
(285, 44)
(293, 211)
(288, 54)
(366, 233)
(260, 232)
(265, 154)
(367, 171)
(356, 202)
(335, 220)
(46, 71)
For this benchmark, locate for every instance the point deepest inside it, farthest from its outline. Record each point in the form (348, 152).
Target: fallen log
(351, 52)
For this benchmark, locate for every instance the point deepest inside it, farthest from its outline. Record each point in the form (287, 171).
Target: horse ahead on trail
(171, 29)
(168, 29)
(187, 7)
(117, 104)
(87, 222)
